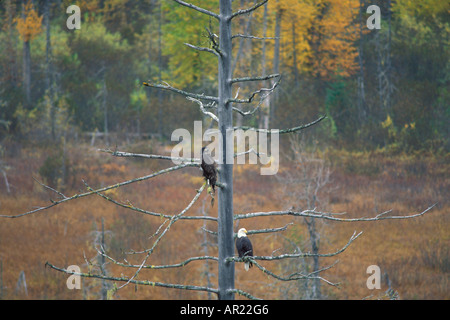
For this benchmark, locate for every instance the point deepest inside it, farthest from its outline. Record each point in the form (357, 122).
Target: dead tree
(220, 108)
(304, 185)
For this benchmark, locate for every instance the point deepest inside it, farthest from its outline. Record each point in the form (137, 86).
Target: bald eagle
(209, 168)
(244, 247)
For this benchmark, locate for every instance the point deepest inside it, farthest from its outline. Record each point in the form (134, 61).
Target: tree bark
(361, 87)
(105, 109)
(160, 93)
(225, 194)
(27, 72)
(26, 66)
(294, 55)
(276, 63)
(48, 69)
(263, 112)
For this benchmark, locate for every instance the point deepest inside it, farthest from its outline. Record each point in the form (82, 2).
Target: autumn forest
(360, 90)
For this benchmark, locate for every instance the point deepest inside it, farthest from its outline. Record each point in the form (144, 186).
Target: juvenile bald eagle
(209, 168)
(244, 247)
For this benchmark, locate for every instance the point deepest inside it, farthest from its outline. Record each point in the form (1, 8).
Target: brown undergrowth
(413, 254)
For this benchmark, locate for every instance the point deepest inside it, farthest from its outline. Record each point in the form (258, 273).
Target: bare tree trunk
(105, 109)
(205, 245)
(104, 286)
(263, 116)
(294, 55)
(225, 198)
(361, 87)
(276, 63)
(26, 66)
(22, 284)
(160, 93)
(48, 70)
(11, 42)
(241, 54)
(314, 239)
(385, 85)
(8, 189)
(27, 72)
(388, 56)
(1, 279)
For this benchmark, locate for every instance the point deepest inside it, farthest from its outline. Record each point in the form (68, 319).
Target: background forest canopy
(386, 88)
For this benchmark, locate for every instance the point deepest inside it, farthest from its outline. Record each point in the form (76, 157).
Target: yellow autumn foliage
(30, 25)
(318, 36)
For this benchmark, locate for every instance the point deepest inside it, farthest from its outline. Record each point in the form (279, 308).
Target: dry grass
(414, 254)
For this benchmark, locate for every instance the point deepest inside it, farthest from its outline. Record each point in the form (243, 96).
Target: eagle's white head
(242, 233)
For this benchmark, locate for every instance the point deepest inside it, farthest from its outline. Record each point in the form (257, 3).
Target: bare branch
(50, 188)
(167, 266)
(139, 282)
(76, 196)
(214, 233)
(171, 222)
(237, 92)
(308, 254)
(253, 37)
(324, 268)
(244, 11)
(202, 109)
(252, 96)
(289, 130)
(189, 5)
(202, 49)
(194, 161)
(249, 151)
(269, 230)
(212, 39)
(328, 216)
(166, 86)
(262, 78)
(129, 205)
(247, 113)
(296, 255)
(243, 113)
(295, 276)
(244, 294)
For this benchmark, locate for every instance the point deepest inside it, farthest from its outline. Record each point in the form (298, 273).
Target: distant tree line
(386, 88)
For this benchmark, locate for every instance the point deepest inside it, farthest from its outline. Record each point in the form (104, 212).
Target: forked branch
(203, 110)
(214, 52)
(134, 281)
(267, 91)
(297, 275)
(167, 86)
(329, 216)
(246, 11)
(85, 194)
(282, 131)
(161, 235)
(298, 255)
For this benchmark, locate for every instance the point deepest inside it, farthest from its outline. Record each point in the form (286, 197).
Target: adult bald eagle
(209, 168)
(244, 247)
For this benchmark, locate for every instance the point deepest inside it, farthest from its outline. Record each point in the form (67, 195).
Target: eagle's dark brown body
(209, 168)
